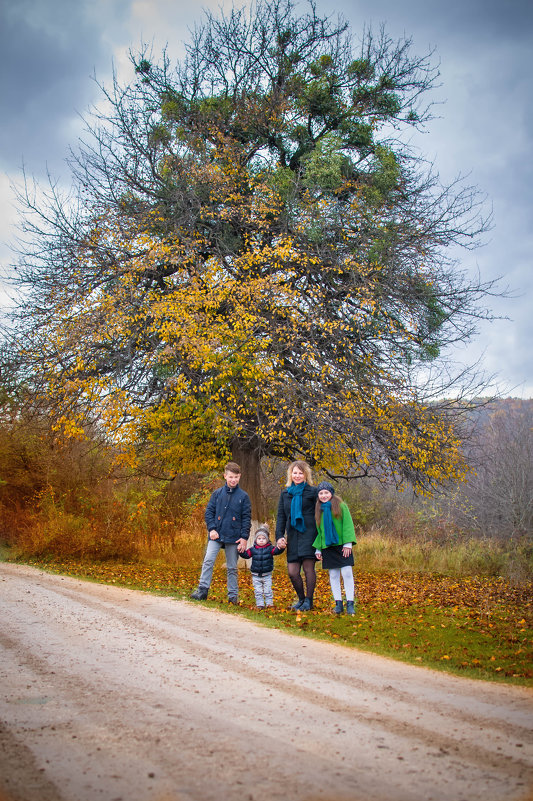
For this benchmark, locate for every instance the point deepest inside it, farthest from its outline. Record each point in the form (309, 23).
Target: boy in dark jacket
(262, 554)
(228, 517)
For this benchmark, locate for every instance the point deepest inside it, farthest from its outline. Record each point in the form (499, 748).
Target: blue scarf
(297, 518)
(330, 532)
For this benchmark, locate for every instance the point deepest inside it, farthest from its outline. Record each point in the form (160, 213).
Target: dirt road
(117, 695)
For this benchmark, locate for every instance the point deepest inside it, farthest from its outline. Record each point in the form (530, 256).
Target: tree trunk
(249, 460)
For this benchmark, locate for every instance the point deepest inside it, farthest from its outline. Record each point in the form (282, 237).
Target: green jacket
(343, 526)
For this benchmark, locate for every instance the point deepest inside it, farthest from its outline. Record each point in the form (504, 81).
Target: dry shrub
(65, 498)
(123, 528)
(177, 543)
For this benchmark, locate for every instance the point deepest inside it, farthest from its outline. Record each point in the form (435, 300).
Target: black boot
(338, 608)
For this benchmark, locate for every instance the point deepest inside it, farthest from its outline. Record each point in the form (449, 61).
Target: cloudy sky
(51, 49)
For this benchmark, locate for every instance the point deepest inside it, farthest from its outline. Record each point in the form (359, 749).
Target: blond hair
(304, 467)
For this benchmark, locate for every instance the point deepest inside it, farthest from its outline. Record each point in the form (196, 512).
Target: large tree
(250, 261)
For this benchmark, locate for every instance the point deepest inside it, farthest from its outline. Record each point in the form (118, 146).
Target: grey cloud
(475, 20)
(51, 57)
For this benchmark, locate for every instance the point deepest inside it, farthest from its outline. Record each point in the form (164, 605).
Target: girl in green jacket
(333, 544)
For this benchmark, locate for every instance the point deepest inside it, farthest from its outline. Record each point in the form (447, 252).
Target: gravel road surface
(112, 694)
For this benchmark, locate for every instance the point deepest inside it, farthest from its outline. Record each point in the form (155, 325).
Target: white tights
(348, 581)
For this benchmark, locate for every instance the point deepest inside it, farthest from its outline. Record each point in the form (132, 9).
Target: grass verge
(480, 628)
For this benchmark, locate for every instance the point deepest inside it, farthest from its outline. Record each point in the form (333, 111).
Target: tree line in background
(68, 497)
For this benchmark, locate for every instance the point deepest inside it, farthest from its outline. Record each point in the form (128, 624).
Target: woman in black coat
(296, 523)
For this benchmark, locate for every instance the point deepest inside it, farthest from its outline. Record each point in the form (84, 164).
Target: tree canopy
(251, 262)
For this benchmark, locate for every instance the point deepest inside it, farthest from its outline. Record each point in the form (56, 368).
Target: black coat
(299, 543)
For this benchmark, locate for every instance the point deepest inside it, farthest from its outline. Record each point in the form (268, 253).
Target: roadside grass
(476, 627)
(454, 554)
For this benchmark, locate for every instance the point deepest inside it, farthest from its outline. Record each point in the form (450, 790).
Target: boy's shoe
(298, 604)
(339, 607)
(350, 608)
(199, 594)
(233, 601)
(306, 605)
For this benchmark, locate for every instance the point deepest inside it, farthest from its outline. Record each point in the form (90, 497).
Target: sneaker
(298, 604)
(338, 607)
(199, 594)
(350, 608)
(306, 605)
(234, 601)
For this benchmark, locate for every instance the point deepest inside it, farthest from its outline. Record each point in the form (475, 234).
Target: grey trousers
(232, 558)
(263, 589)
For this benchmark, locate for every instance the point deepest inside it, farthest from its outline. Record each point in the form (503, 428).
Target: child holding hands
(262, 554)
(333, 544)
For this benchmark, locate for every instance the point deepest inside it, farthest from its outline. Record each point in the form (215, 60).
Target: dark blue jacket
(262, 557)
(229, 512)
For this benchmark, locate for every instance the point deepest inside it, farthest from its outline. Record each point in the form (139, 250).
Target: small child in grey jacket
(262, 554)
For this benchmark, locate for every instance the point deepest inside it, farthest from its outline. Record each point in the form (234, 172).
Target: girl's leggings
(335, 574)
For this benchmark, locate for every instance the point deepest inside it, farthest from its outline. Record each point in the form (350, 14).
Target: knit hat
(264, 530)
(325, 485)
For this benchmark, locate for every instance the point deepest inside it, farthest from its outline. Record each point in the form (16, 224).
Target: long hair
(336, 501)
(304, 467)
